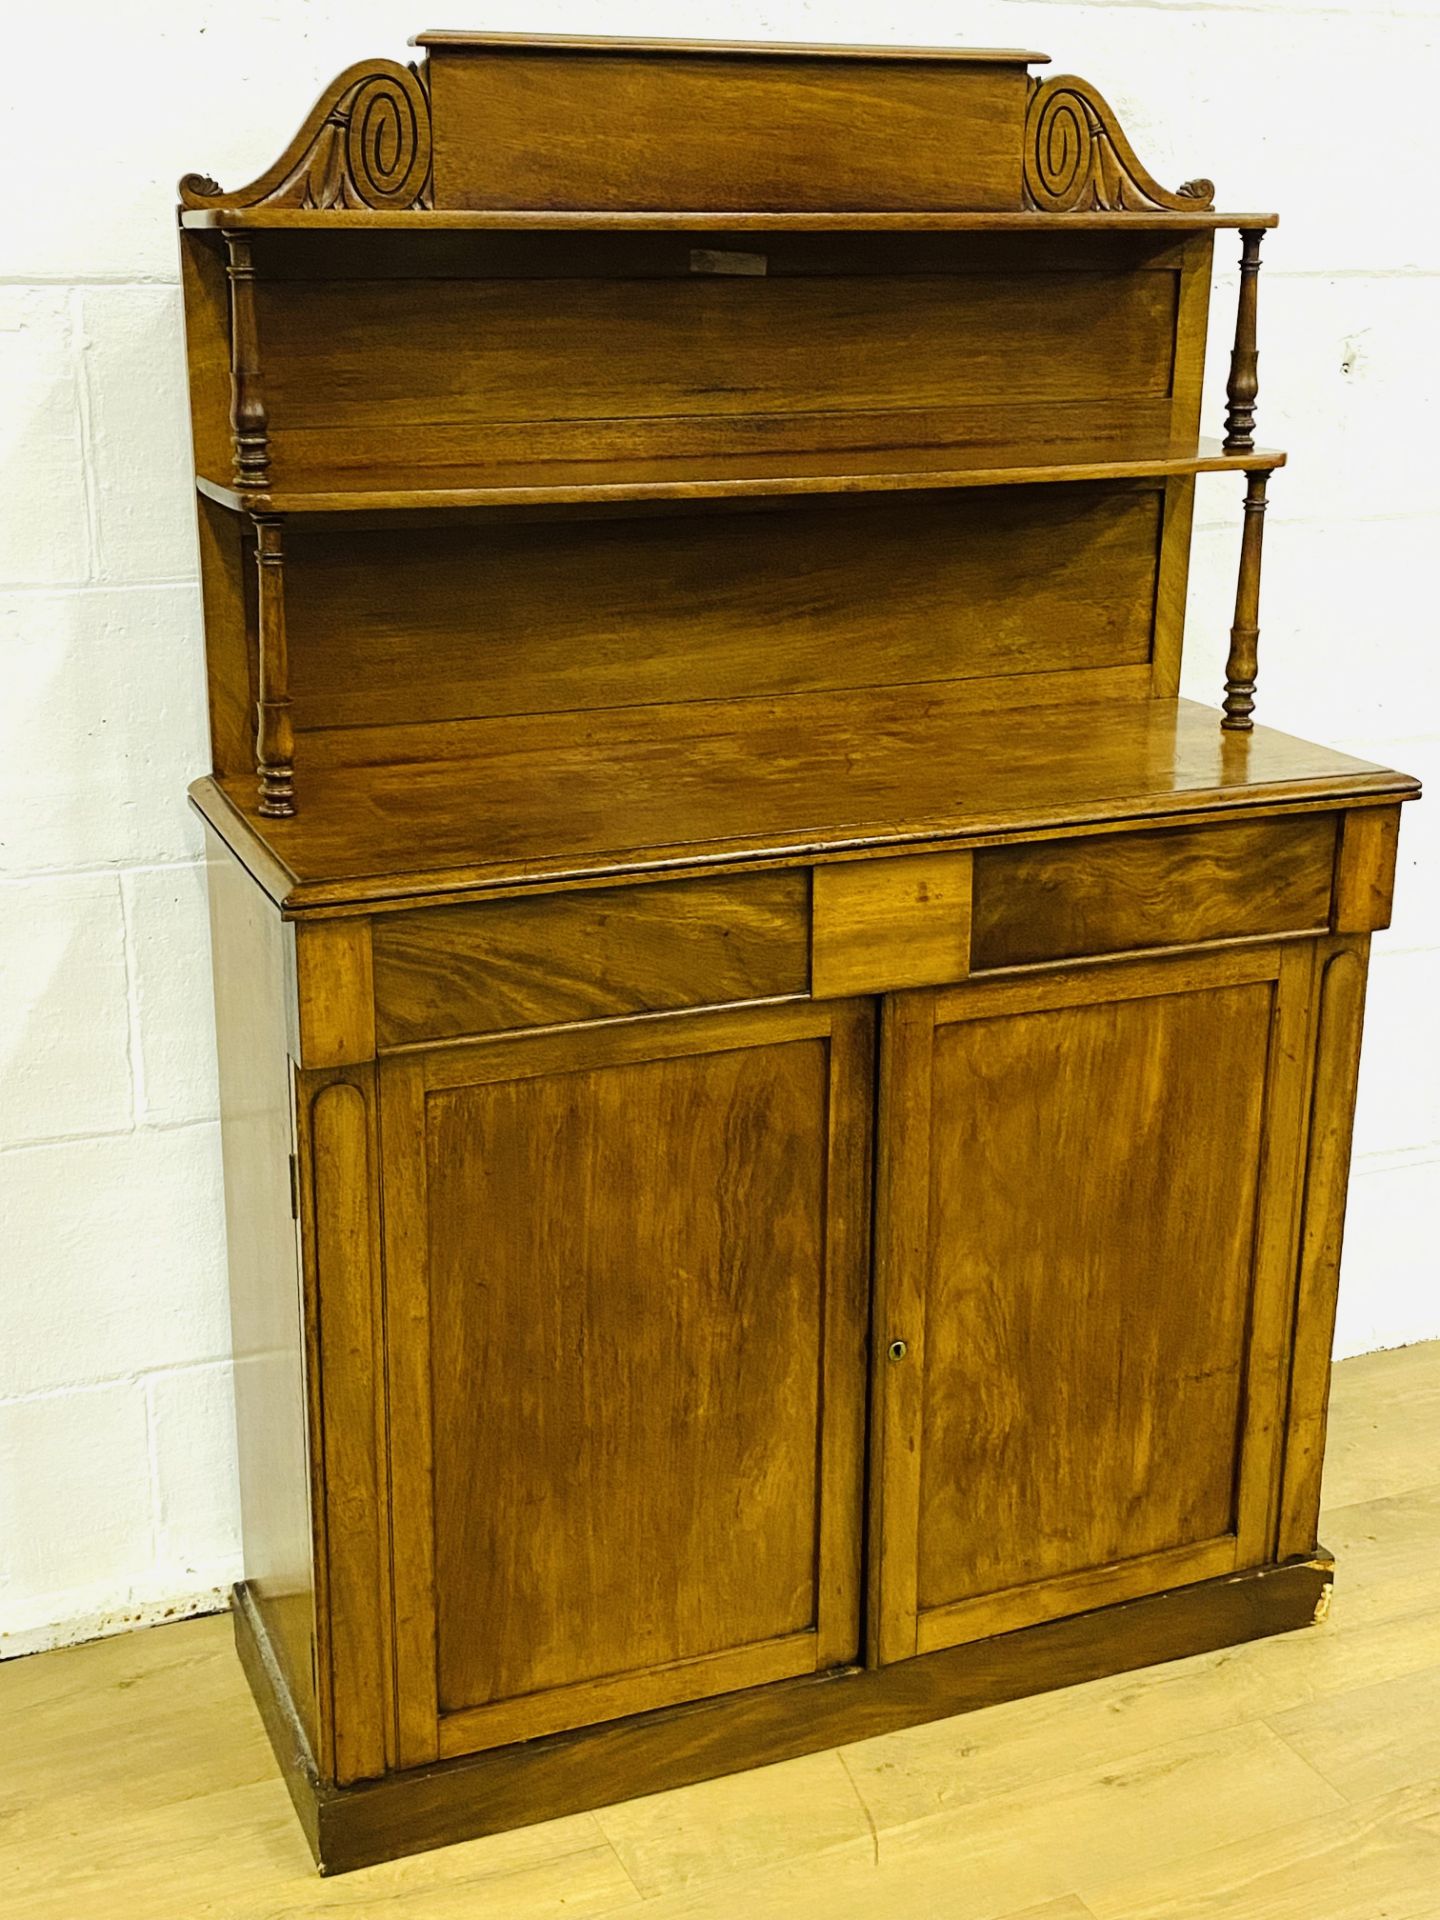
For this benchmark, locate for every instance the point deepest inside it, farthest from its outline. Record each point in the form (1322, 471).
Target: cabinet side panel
(266, 1309)
(207, 350)
(226, 580)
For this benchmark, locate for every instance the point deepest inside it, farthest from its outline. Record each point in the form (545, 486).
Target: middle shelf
(893, 469)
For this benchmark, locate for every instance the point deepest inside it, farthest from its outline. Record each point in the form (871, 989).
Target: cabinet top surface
(577, 799)
(458, 39)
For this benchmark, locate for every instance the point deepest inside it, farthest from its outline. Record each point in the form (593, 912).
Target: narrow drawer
(1063, 899)
(880, 925)
(441, 972)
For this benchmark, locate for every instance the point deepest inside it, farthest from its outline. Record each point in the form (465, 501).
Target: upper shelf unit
(926, 279)
(732, 476)
(895, 269)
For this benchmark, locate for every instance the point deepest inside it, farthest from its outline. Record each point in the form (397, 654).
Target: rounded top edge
(458, 40)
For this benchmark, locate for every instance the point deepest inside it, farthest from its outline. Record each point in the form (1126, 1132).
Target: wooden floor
(1296, 1776)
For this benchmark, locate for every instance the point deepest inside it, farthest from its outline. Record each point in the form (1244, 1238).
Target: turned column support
(1244, 387)
(1241, 667)
(249, 422)
(275, 734)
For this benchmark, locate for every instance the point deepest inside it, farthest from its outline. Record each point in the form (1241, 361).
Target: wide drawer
(441, 972)
(1116, 893)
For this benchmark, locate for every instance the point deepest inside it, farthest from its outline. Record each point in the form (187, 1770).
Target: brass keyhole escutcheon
(898, 1349)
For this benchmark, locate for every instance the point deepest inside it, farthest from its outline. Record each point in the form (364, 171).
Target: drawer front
(441, 972)
(1064, 899)
(880, 925)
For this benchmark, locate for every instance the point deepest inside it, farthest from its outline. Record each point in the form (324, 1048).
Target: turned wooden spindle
(1241, 667)
(1244, 387)
(275, 732)
(248, 419)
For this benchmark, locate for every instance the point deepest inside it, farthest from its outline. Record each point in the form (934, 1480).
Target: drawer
(441, 972)
(883, 924)
(1063, 899)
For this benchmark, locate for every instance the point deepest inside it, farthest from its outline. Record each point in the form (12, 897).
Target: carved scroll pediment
(365, 144)
(1077, 159)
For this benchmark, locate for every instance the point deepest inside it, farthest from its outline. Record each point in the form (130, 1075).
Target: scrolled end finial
(366, 143)
(1078, 160)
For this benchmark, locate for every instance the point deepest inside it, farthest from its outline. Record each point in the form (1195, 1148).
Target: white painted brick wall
(117, 1497)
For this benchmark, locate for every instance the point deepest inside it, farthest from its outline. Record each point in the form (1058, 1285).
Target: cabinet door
(1085, 1234)
(626, 1273)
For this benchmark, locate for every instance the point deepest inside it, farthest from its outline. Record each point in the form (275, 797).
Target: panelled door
(1084, 1273)
(626, 1303)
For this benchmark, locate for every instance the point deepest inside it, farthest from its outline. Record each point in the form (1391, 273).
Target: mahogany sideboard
(786, 1101)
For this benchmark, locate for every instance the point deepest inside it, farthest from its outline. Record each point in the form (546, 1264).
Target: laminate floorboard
(1263, 1782)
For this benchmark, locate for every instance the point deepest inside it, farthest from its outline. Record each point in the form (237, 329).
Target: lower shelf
(518, 1786)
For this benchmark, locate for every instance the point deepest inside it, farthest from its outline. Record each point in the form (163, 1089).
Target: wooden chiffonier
(786, 1101)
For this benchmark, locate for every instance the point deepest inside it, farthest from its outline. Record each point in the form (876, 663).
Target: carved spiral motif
(387, 139)
(1059, 151)
(1078, 159)
(365, 144)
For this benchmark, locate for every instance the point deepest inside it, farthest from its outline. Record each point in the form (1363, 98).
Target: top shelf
(257, 219)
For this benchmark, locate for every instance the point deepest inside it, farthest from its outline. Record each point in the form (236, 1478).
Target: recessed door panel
(1092, 1298)
(641, 1265)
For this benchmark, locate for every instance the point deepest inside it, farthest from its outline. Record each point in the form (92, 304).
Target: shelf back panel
(1016, 589)
(833, 353)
